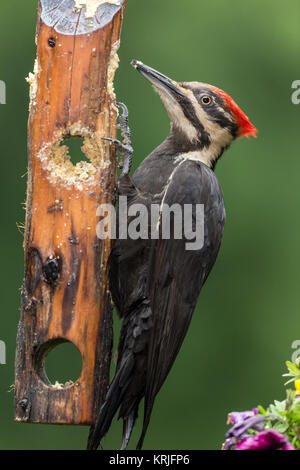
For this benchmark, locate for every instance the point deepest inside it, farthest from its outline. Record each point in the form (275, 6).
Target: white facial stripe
(176, 115)
(195, 86)
(225, 113)
(222, 137)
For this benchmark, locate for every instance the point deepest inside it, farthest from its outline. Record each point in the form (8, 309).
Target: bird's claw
(124, 147)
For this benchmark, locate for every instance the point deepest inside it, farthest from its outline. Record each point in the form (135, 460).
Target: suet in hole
(59, 363)
(75, 157)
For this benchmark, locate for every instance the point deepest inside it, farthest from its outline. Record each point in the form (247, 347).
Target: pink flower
(265, 440)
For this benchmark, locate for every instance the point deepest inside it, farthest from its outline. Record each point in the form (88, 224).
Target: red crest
(246, 128)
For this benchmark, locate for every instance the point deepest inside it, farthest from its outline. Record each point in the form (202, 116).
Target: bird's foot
(124, 147)
(124, 126)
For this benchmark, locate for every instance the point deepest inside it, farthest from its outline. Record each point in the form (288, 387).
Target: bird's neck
(181, 147)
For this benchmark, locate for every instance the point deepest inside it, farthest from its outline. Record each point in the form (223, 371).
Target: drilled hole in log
(75, 145)
(76, 157)
(59, 363)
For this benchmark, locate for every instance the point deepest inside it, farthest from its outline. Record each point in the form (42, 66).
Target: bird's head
(204, 119)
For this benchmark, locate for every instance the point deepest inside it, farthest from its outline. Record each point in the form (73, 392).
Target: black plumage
(155, 285)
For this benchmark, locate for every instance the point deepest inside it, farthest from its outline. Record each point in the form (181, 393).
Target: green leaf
(293, 369)
(289, 381)
(282, 427)
(262, 410)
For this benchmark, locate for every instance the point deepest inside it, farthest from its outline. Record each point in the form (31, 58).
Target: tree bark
(65, 292)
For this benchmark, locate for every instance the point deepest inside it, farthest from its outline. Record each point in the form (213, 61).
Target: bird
(155, 283)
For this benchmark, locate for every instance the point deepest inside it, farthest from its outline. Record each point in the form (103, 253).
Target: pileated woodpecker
(155, 284)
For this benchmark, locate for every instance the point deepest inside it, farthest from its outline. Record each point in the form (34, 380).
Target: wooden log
(65, 292)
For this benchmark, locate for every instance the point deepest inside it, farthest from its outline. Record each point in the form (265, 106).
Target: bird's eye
(206, 100)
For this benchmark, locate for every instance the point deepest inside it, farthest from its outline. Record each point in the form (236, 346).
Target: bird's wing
(177, 275)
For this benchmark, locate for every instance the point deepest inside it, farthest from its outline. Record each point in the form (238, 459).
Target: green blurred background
(248, 313)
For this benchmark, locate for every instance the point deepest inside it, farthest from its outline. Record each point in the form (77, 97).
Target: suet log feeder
(65, 292)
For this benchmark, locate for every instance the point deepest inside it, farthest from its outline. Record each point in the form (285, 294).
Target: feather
(246, 128)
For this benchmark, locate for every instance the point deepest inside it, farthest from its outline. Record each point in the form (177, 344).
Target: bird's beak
(157, 79)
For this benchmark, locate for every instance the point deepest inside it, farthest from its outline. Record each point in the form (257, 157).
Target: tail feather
(128, 386)
(112, 402)
(147, 416)
(128, 424)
